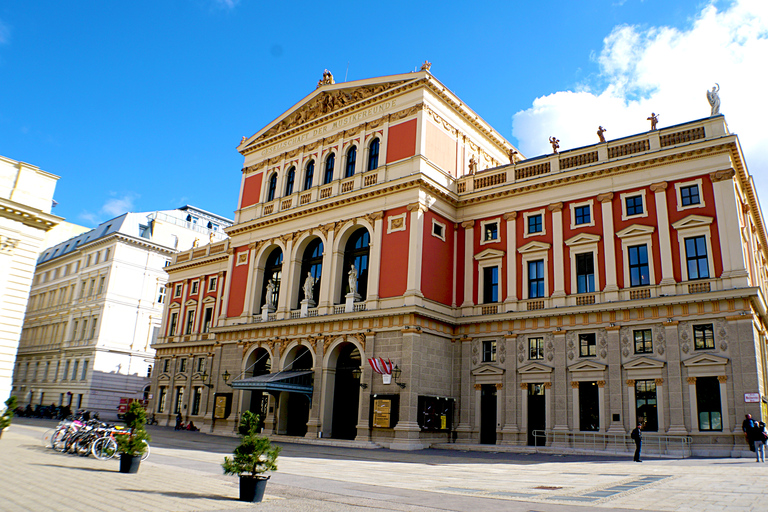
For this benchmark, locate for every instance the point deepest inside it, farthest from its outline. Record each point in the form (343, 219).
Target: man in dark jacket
(637, 436)
(746, 426)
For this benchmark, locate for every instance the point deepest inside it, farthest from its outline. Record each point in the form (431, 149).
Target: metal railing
(601, 442)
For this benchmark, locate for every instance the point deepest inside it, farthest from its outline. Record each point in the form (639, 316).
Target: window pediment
(164, 377)
(190, 302)
(534, 369)
(209, 300)
(635, 230)
(582, 239)
(643, 363)
(180, 376)
(487, 369)
(705, 360)
(489, 254)
(534, 247)
(692, 221)
(587, 366)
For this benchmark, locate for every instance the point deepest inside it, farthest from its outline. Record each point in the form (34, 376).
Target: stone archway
(345, 390)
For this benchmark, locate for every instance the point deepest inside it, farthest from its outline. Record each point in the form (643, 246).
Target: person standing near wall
(637, 436)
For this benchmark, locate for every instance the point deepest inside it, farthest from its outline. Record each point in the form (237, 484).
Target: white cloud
(112, 207)
(667, 71)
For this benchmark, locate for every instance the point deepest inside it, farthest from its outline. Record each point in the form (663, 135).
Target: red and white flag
(380, 366)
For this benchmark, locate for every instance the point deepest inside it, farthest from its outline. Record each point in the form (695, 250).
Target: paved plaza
(183, 473)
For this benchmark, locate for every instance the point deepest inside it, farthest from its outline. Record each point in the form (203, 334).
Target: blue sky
(140, 105)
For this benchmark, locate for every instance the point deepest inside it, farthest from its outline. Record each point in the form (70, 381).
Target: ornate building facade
(580, 291)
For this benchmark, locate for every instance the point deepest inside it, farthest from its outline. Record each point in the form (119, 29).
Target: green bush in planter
(134, 443)
(7, 414)
(250, 423)
(255, 454)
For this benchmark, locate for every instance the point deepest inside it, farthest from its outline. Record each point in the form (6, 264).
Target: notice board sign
(222, 405)
(384, 409)
(752, 398)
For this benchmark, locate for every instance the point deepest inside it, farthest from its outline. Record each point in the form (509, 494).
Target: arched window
(330, 162)
(356, 253)
(309, 174)
(272, 272)
(373, 154)
(351, 158)
(272, 187)
(289, 181)
(311, 263)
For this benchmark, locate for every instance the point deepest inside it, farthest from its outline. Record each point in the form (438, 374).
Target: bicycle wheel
(48, 437)
(145, 455)
(104, 448)
(59, 440)
(83, 445)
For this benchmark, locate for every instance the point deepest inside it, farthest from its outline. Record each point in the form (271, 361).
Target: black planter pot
(129, 463)
(252, 488)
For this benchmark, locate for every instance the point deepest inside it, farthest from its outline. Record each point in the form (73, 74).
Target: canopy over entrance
(293, 381)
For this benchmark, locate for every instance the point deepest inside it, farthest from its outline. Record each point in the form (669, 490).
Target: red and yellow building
(576, 292)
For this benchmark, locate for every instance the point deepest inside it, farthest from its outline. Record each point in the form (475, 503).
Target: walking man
(746, 426)
(637, 435)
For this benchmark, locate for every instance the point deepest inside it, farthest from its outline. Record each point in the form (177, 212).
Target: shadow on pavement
(95, 470)
(187, 495)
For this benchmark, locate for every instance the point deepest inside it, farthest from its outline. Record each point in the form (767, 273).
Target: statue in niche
(654, 119)
(600, 132)
(309, 286)
(270, 292)
(555, 143)
(714, 99)
(352, 277)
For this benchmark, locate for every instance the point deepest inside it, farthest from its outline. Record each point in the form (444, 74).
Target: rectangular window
(582, 215)
(703, 336)
(643, 341)
(585, 273)
(65, 375)
(79, 401)
(212, 284)
(207, 318)
(696, 257)
(74, 330)
(535, 279)
(489, 351)
(101, 285)
(177, 291)
(190, 322)
(491, 232)
(490, 284)
(639, 272)
(200, 364)
(161, 294)
(195, 285)
(144, 231)
(690, 195)
(645, 404)
(535, 224)
(179, 400)
(196, 398)
(634, 205)
(182, 365)
(84, 330)
(74, 369)
(162, 392)
(84, 374)
(708, 403)
(535, 348)
(166, 365)
(589, 406)
(91, 287)
(587, 345)
(172, 323)
(93, 328)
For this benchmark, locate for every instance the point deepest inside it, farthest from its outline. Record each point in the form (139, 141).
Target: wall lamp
(204, 378)
(225, 376)
(358, 373)
(396, 375)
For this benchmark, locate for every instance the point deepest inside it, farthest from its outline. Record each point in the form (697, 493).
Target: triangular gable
(705, 360)
(209, 299)
(174, 305)
(163, 377)
(181, 376)
(534, 247)
(693, 221)
(191, 302)
(487, 369)
(582, 238)
(635, 230)
(327, 99)
(534, 368)
(489, 254)
(643, 363)
(587, 366)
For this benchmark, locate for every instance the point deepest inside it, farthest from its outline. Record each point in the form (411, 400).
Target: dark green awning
(293, 381)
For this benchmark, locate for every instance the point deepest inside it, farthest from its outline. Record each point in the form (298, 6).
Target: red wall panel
(393, 277)
(237, 290)
(437, 261)
(401, 142)
(251, 190)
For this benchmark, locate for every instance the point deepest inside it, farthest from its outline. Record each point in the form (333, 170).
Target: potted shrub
(7, 415)
(133, 444)
(253, 457)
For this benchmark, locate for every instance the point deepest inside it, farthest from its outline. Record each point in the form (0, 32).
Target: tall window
(309, 174)
(696, 257)
(587, 345)
(172, 323)
(489, 351)
(74, 369)
(84, 374)
(289, 179)
(643, 341)
(330, 162)
(207, 317)
(373, 154)
(582, 215)
(273, 271)
(634, 205)
(639, 274)
(585, 273)
(351, 159)
(162, 392)
(703, 336)
(690, 195)
(182, 365)
(190, 322)
(196, 398)
(536, 348)
(490, 285)
(166, 365)
(356, 253)
(179, 400)
(312, 264)
(535, 279)
(645, 397)
(708, 403)
(272, 187)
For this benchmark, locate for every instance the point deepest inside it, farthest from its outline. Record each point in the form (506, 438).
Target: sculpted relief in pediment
(325, 103)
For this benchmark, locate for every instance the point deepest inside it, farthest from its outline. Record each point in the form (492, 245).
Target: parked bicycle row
(85, 437)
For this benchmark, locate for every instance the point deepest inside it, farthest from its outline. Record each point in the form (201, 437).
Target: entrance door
(537, 413)
(298, 414)
(488, 414)
(346, 393)
(589, 415)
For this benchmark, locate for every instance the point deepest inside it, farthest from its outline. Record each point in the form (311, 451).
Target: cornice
(28, 216)
(201, 262)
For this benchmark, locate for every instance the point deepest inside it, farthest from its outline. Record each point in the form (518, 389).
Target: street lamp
(204, 377)
(358, 373)
(225, 376)
(396, 375)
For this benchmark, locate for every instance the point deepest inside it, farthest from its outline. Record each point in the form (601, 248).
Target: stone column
(284, 295)
(524, 409)
(548, 406)
(575, 398)
(228, 284)
(692, 403)
(601, 403)
(512, 415)
(248, 299)
(665, 247)
(407, 430)
(632, 401)
(500, 410)
(725, 412)
(314, 425)
(464, 427)
(374, 266)
(477, 399)
(660, 406)
(615, 399)
(217, 310)
(731, 247)
(675, 381)
(469, 248)
(511, 300)
(609, 240)
(415, 248)
(560, 379)
(363, 426)
(325, 300)
(558, 292)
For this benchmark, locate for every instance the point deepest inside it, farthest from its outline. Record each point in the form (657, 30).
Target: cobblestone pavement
(183, 473)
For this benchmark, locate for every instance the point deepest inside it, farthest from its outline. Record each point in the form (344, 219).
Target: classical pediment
(489, 254)
(164, 376)
(643, 363)
(705, 360)
(174, 305)
(487, 369)
(587, 366)
(693, 221)
(582, 239)
(209, 299)
(325, 100)
(534, 247)
(180, 376)
(534, 368)
(635, 230)
(191, 302)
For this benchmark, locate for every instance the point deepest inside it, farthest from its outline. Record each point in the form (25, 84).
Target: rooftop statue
(714, 99)
(654, 119)
(426, 65)
(512, 156)
(600, 132)
(327, 79)
(555, 143)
